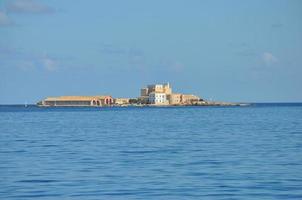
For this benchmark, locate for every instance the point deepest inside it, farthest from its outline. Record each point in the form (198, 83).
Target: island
(151, 95)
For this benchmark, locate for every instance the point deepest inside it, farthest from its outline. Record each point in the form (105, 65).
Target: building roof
(122, 98)
(190, 96)
(76, 98)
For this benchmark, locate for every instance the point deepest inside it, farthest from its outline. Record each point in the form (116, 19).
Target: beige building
(189, 98)
(174, 99)
(156, 94)
(184, 99)
(160, 88)
(161, 94)
(94, 101)
(167, 89)
(121, 101)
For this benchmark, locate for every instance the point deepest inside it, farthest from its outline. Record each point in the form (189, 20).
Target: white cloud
(18, 58)
(28, 6)
(49, 64)
(269, 58)
(4, 19)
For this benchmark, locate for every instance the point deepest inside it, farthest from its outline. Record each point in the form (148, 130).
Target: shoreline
(199, 104)
(241, 104)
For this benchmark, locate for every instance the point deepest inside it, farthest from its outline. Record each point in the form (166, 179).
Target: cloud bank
(28, 6)
(18, 59)
(269, 58)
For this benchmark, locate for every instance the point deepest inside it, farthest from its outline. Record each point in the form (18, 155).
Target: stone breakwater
(216, 103)
(201, 103)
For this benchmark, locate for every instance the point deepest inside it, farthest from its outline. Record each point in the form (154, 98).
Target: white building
(158, 98)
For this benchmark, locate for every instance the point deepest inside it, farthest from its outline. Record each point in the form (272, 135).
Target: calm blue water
(151, 153)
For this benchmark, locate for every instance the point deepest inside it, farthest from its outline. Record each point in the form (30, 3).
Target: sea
(241, 152)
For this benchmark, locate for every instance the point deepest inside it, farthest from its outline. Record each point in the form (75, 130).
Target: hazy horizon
(237, 51)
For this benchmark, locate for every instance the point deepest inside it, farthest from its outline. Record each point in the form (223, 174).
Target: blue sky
(222, 50)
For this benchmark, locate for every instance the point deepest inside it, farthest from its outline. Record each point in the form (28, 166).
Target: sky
(226, 50)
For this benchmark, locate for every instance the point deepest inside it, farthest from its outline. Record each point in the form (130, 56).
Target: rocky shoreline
(200, 103)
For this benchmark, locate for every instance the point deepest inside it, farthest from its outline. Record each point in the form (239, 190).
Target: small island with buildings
(151, 95)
